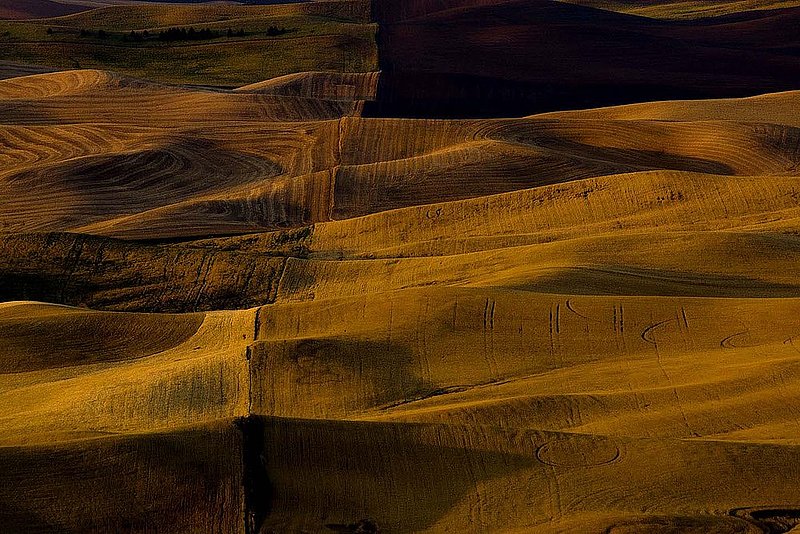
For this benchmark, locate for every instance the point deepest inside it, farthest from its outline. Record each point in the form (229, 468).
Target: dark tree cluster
(273, 31)
(187, 34)
(138, 37)
(178, 34)
(101, 34)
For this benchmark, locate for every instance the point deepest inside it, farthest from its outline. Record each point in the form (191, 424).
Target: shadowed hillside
(687, 9)
(490, 58)
(37, 9)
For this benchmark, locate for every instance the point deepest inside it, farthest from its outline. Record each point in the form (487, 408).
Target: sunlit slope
(121, 421)
(777, 108)
(522, 359)
(82, 337)
(654, 201)
(169, 279)
(548, 413)
(330, 85)
(653, 233)
(69, 373)
(449, 160)
(93, 96)
(93, 152)
(645, 264)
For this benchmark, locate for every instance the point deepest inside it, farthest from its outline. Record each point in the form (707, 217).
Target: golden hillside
(261, 308)
(577, 321)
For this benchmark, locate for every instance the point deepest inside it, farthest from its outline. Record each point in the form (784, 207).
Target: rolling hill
(297, 297)
(570, 321)
(121, 155)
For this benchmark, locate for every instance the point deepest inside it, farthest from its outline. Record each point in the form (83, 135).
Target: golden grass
(573, 322)
(94, 385)
(122, 156)
(776, 108)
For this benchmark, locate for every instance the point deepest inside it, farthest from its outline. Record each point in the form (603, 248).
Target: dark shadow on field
(401, 477)
(76, 338)
(110, 274)
(184, 481)
(339, 374)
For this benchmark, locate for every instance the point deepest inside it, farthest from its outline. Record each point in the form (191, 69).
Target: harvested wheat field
(361, 267)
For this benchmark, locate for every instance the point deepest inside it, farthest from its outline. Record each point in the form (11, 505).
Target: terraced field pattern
(424, 266)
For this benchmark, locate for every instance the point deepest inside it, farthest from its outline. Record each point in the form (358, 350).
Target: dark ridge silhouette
(482, 58)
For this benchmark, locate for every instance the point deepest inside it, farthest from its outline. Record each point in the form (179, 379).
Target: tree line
(178, 34)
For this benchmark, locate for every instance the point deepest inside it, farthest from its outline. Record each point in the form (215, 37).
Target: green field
(328, 36)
